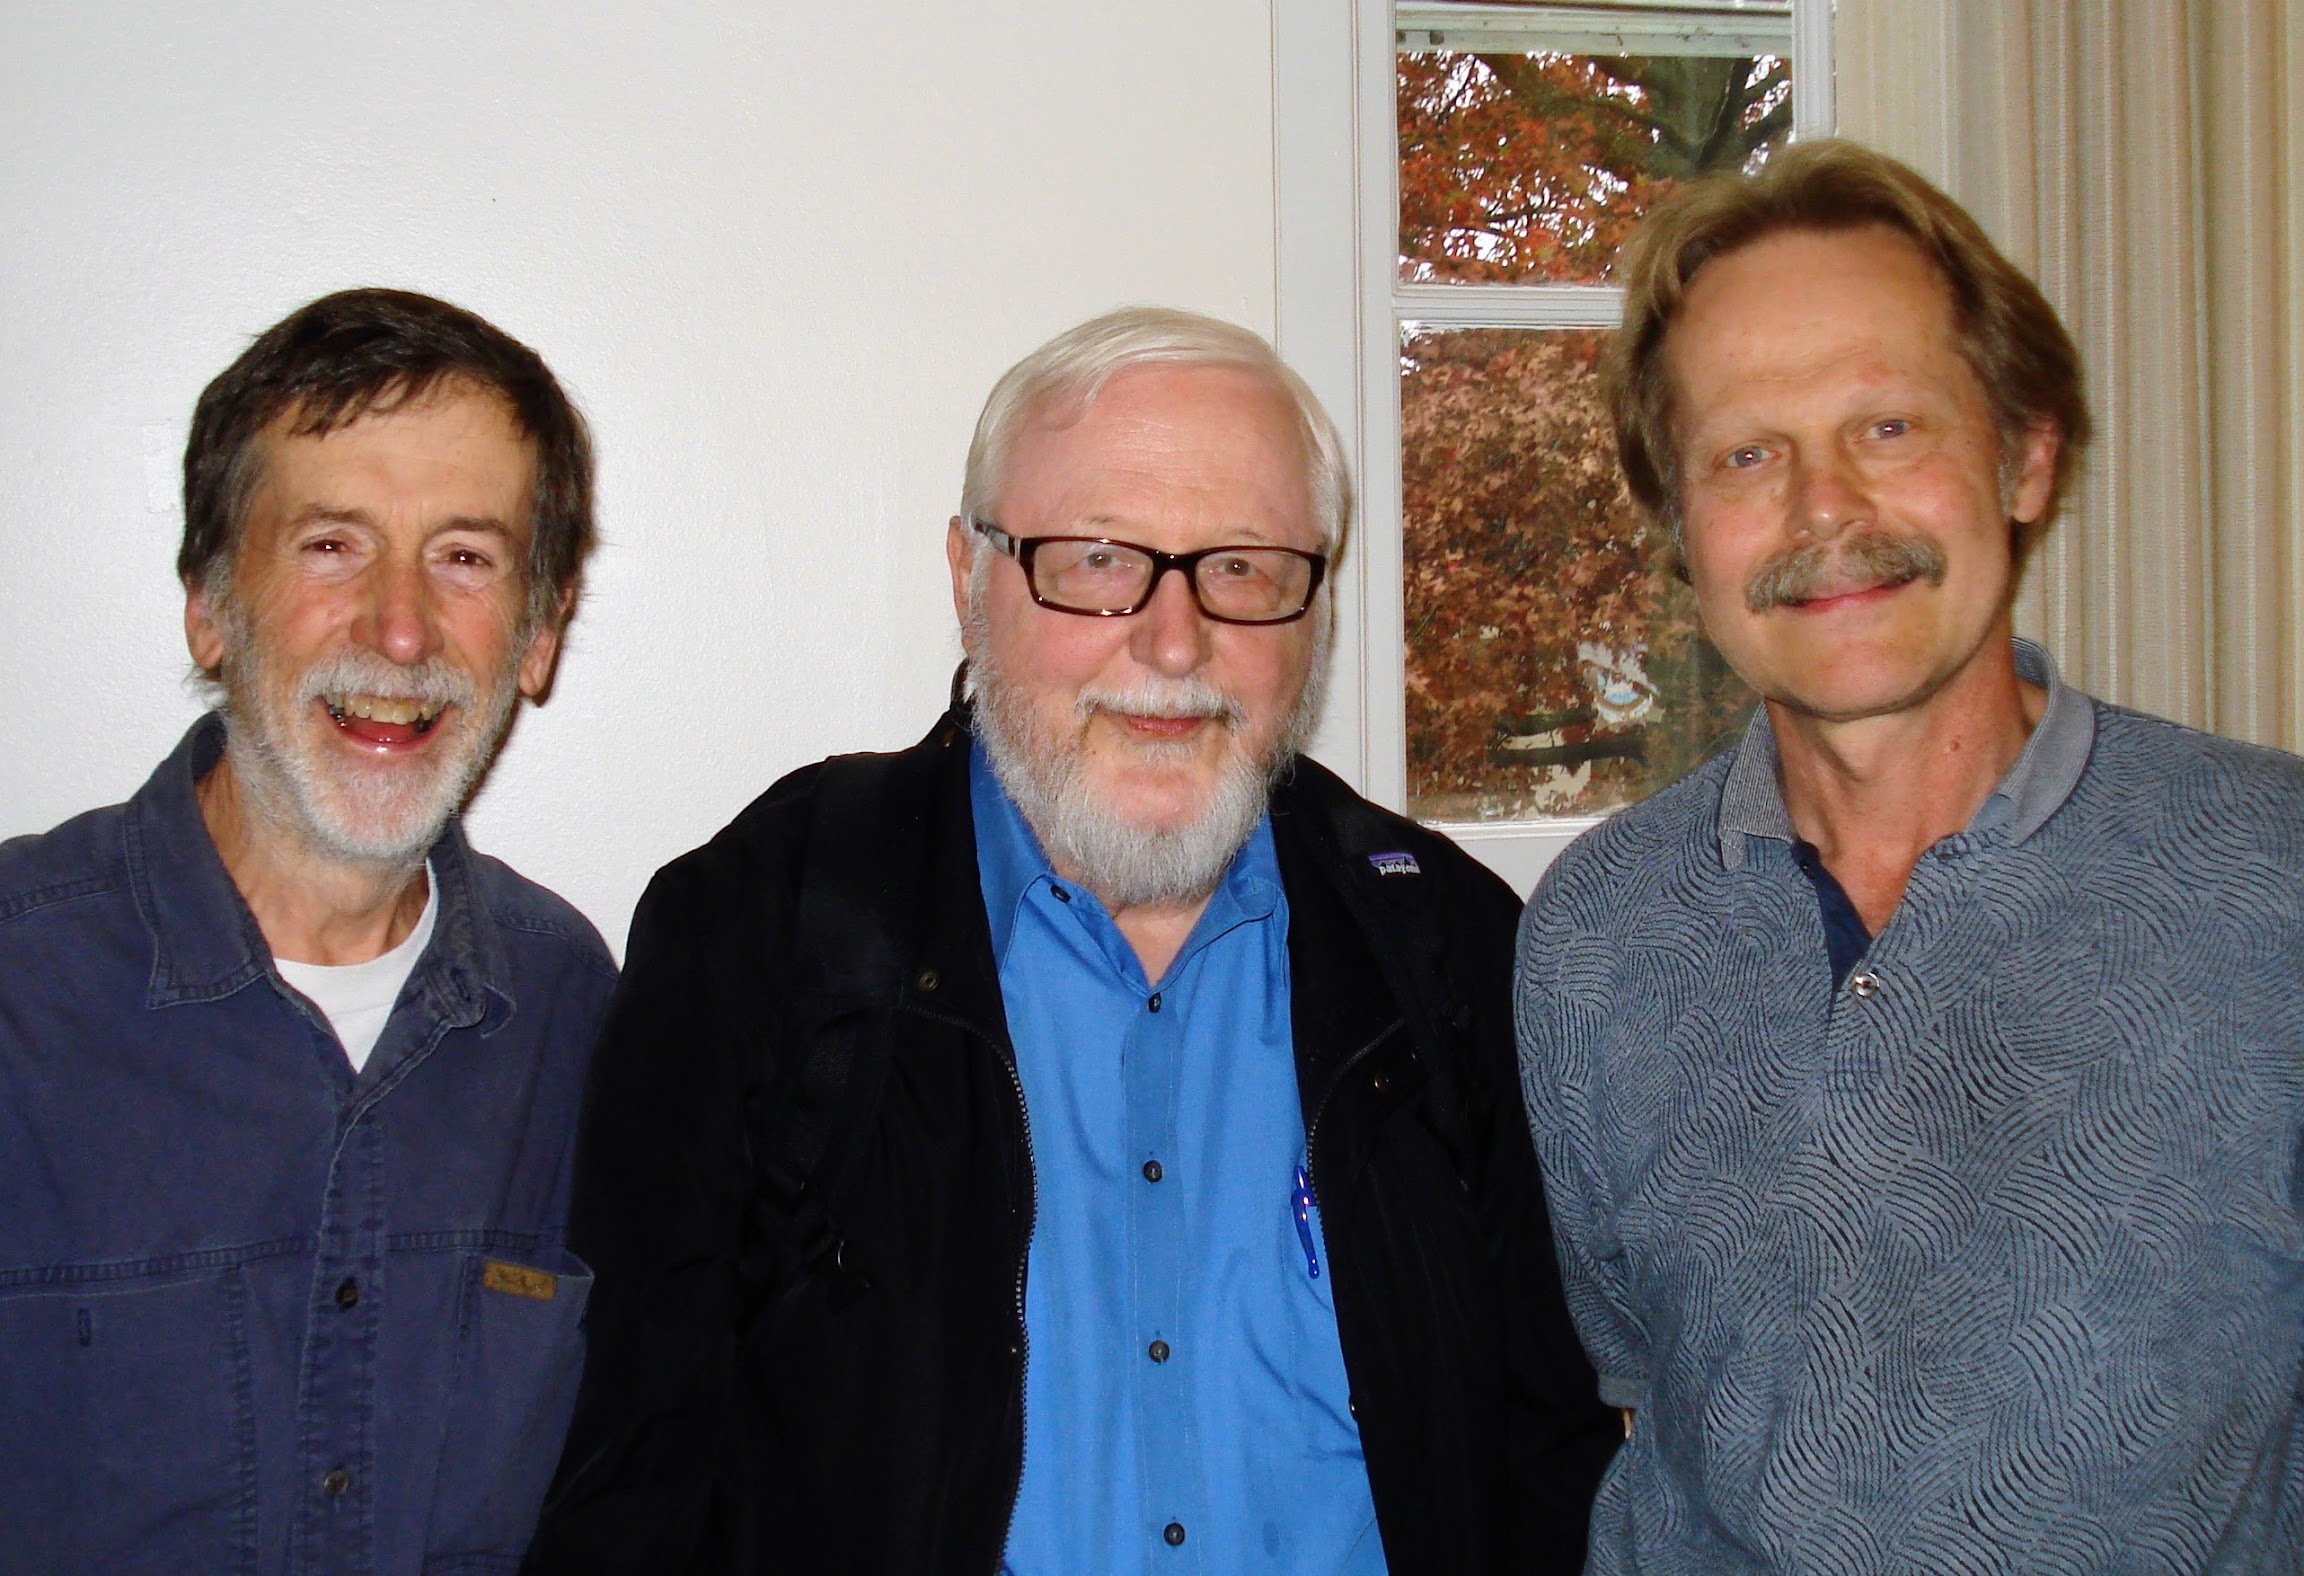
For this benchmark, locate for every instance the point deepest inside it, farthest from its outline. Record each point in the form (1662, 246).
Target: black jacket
(803, 1185)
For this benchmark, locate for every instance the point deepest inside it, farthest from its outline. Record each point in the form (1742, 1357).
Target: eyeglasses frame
(1022, 549)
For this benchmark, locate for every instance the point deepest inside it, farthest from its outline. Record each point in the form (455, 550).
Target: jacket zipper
(1312, 1133)
(1023, 1335)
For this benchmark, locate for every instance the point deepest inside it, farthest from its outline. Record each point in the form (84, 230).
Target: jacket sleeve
(648, 1480)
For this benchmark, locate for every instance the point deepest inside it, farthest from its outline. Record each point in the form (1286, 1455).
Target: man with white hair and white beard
(1088, 1140)
(288, 1074)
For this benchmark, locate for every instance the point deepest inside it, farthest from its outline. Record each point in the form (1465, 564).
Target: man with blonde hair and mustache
(288, 1073)
(1920, 1085)
(1086, 1141)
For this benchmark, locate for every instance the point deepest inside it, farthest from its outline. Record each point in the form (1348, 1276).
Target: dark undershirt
(1845, 937)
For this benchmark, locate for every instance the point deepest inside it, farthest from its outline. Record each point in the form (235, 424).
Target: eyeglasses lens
(1247, 583)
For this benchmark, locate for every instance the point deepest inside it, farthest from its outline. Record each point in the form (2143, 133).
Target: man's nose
(399, 619)
(1828, 496)
(1169, 634)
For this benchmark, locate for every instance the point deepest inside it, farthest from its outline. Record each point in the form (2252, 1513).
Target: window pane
(1530, 168)
(1554, 667)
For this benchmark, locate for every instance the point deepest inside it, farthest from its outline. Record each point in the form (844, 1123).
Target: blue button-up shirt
(258, 1312)
(1185, 1404)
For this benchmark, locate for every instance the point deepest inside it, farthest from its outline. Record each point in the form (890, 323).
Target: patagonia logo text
(1399, 862)
(518, 1279)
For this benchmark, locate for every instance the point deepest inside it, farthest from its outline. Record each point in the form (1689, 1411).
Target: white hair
(1061, 379)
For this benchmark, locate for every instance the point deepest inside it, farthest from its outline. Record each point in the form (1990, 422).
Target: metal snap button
(1863, 986)
(1174, 1533)
(927, 980)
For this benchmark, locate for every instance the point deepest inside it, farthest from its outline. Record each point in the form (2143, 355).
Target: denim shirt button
(347, 1292)
(336, 1482)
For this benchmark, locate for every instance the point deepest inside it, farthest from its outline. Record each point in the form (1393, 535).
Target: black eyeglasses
(1099, 578)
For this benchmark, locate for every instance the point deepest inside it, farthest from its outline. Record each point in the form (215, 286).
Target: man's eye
(1893, 427)
(1749, 455)
(1234, 568)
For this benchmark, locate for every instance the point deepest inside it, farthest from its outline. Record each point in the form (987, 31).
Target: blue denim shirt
(1185, 1402)
(259, 1313)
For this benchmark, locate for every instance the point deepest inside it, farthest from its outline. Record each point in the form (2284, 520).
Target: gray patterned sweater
(1991, 1259)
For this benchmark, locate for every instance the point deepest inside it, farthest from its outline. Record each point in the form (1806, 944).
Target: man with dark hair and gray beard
(1098, 1073)
(288, 1073)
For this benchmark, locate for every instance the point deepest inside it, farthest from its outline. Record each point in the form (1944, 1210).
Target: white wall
(777, 252)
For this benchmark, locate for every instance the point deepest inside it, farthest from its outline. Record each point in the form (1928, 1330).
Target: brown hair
(2009, 334)
(333, 361)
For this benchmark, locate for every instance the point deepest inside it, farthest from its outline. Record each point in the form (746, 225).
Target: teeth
(384, 708)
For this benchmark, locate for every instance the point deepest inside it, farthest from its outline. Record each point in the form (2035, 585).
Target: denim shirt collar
(2033, 788)
(205, 942)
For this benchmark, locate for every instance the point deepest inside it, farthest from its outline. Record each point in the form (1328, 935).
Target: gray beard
(356, 818)
(1124, 864)
(1127, 865)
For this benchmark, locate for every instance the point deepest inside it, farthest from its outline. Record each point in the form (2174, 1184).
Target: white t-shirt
(357, 998)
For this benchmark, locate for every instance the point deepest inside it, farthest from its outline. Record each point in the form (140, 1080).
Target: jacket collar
(2033, 788)
(1361, 951)
(942, 962)
(205, 942)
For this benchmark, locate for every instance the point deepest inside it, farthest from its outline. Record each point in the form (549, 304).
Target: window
(1525, 662)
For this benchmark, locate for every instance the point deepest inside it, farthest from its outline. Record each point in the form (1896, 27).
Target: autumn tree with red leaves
(1525, 557)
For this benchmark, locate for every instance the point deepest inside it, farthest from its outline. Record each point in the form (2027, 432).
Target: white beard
(1126, 864)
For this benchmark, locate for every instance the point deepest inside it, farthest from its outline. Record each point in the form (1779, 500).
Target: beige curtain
(2145, 160)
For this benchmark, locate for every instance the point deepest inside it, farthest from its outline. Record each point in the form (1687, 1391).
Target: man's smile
(383, 721)
(1852, 595)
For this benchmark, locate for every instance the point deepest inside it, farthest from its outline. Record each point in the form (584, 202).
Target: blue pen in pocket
(1300, 1201)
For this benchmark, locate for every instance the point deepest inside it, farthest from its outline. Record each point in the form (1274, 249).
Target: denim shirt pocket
(130, 1440)
(519, 1355)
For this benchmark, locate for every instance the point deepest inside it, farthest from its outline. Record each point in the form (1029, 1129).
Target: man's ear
(958, 549)
(543, 653)
(203, 627)
(2035, 485)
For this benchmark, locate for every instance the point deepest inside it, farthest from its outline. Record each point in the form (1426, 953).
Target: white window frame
(1336, 173)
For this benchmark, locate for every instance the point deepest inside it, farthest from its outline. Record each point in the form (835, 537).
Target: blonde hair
(2007, 331)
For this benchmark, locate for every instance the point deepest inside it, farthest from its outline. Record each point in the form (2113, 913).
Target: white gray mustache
(430, 682)
(1188, 697)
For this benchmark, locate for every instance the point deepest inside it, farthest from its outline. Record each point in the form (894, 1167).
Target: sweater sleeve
(1556, 1082)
